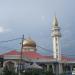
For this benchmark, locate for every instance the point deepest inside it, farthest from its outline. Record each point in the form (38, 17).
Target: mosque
(29, 54)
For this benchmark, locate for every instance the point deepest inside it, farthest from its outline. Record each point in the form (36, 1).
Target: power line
(52, 51)
(10, 40)
(43, 48)
(37, 46)
(8, 48)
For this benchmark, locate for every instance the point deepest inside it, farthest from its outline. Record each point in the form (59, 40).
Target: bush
(37, 72)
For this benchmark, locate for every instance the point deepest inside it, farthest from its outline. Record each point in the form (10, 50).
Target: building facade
(57, 63)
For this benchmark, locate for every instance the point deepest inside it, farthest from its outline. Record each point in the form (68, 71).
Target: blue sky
(33, 18)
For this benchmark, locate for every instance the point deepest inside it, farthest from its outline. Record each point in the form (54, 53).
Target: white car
(73, 72)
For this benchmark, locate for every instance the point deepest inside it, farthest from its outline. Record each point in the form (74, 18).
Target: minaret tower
(56, 39)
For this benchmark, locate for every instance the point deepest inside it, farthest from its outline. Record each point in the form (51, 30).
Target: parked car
(73, 72)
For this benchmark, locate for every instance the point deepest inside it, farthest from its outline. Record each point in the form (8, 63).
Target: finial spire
(55, 21)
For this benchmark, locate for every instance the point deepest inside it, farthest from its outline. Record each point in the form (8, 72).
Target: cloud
(3, 29)
(42, 18)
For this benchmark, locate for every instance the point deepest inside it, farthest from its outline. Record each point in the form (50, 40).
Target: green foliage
(48, 73)
(37, 72)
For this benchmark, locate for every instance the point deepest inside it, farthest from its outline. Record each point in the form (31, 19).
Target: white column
(60, 68)
(47, 67)
(54, 48)
(53, 68)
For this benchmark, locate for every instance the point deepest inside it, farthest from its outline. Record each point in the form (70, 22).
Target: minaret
(56, 39)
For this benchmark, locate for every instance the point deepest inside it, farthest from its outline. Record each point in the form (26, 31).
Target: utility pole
(20, 66)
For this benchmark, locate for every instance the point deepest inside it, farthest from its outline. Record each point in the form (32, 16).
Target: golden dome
(29, 42)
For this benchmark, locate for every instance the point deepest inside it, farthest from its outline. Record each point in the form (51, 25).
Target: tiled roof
(1, 56)
(64, 58)
(35, 55)
(13, 52)
(28, 54)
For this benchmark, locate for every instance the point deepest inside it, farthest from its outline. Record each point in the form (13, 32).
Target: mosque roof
(29, 54)
(35, 55)
(13, 52)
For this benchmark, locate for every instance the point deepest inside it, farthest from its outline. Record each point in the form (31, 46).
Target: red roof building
(29, 54)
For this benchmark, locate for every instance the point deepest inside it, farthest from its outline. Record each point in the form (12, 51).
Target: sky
(33, 18)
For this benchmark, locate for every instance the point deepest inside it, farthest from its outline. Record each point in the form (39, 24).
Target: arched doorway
(9, 65)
